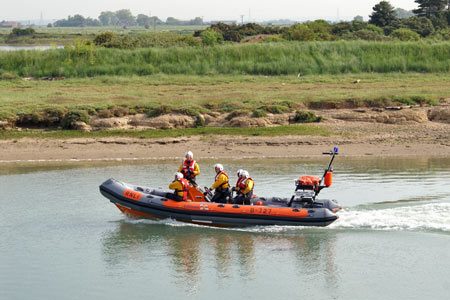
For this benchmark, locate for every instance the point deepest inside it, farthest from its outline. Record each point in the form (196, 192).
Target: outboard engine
(308, 187)
(305, 190)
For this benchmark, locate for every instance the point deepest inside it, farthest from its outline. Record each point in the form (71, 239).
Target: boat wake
(426, 217)
(432, 217)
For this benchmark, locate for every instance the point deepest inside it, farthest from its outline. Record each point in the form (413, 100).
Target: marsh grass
(290, 58)
(299, 130)
(232, 94)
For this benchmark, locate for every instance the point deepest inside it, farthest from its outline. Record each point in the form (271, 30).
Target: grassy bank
(66, 35)
(291, 58)
(225, 94)
(299, 130)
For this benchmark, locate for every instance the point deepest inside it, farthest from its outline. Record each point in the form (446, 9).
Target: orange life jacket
(185, 185)
(242, 185)
(217, 178)
(189, 167)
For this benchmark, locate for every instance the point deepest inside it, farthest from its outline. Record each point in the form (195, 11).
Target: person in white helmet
(220, 186)
(189, 168)
(239, 175)
(245, 189)
(181, 187)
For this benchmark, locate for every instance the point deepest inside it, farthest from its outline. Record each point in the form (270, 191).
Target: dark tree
(383, 14)
(142, 20)
(429, 8)
(422, 26)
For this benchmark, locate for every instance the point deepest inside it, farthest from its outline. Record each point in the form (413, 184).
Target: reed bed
(298, 58)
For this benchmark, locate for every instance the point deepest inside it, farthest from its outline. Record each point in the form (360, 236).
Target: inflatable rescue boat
(303, 208)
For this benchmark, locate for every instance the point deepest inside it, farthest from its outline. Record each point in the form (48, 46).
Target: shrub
(49, 116)
(300, 32)
(22, 32)
(74, 116)
(421, 25)
(404, 34)
(82, 50)
(120, 111)
(104, 39)
(306, 117)
(275, 109)
(162, 109)
(259, 113)
(318, 30)
(8, 76)
(211, 37)
(199, 121)
(54, 112)
(105, 113)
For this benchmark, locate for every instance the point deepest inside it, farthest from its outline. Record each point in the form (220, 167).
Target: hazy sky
(208, 9)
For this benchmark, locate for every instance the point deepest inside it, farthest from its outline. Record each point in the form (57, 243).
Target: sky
(253, 10)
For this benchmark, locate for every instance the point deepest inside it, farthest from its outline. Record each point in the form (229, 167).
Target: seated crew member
(245, 189)
(189, 168)
(239, 175)
(221, 185)
(181, 187)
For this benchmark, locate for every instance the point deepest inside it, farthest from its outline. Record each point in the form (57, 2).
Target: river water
(31, 47)
(60, 239)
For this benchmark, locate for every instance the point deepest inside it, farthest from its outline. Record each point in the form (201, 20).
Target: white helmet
(178, 175)
(239, 172)
(189, 154)
(244, 173)
(218, 166)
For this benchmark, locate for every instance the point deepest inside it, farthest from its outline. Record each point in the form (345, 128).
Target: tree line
(430, 20)
(122, 17)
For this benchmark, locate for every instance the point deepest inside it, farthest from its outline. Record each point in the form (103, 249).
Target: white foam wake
(433, 216)
(425, 217)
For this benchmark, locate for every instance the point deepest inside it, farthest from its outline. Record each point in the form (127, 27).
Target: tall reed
(255, 59)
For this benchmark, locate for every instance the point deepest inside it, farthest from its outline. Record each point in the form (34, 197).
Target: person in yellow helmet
(181, 187)
(245, 189)
(189, 168)
(220, 186)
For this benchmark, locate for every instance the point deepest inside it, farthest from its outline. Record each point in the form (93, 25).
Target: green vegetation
(264, 131)
(259, 113)
(43, 103)
(144, 65)
(306, 117)
(21, 32)
(67, 35)
(149, 40)
(304, 58)
(404, 34)
(75, 116)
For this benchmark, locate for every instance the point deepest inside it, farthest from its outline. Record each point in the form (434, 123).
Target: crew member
(189, 168)
(239, 175)
(245, 189)
(220, 186)
(181, 187)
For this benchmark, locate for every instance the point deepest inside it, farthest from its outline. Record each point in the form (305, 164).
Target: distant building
(224, 22)
(5, 24)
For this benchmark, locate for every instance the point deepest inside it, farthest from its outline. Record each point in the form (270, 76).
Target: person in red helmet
(189, 168)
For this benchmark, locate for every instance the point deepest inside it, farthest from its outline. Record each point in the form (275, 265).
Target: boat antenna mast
(333, 153)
